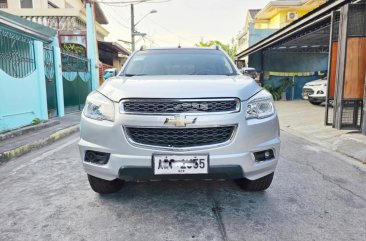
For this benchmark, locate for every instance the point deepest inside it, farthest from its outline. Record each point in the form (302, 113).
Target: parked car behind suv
(315, 91)
(109, 73)
(179, 113)
(251, 72)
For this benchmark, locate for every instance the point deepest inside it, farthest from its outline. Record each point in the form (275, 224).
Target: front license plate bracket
(180, 164)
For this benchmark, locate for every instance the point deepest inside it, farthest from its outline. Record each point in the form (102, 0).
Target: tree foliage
(74, 48)
(276, 92)
(230, 49)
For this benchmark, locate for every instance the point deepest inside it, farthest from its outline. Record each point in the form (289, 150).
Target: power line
(118, 20)
(166, 29)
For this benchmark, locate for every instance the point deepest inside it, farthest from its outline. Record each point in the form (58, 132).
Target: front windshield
(179, 62)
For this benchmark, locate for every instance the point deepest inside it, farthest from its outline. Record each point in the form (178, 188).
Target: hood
(204, 86)
(316, 82)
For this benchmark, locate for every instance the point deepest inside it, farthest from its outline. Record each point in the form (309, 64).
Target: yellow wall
(261, 25)
(275, 21)
(279, 19)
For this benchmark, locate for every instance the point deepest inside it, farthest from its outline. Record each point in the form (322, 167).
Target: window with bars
(51, 5)
(3, 3)
(26, 3)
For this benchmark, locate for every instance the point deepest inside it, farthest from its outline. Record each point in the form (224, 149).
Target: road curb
(28, 129)
(19, 151)
(336, 145)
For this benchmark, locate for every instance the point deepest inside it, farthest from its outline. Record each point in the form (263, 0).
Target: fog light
(263, 155)
(320, 92)
(96, 157)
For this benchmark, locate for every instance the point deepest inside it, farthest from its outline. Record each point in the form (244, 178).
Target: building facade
(66, 16)
(30, 86)
(261, 23)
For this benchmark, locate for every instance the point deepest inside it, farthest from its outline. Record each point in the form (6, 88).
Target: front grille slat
(180, 137)
(154, 106)
(308, 91)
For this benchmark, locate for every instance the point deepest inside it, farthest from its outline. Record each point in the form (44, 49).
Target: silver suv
(179, 113)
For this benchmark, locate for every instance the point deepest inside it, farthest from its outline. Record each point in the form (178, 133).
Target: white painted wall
(14, 4)
(58, 3)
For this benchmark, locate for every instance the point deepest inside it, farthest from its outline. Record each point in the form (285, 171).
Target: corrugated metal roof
(112, 47)
(311, 18)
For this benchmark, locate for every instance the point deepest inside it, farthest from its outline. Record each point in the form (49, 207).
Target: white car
(315, 91)
(179, 113)
(109, 73)
(249, 71)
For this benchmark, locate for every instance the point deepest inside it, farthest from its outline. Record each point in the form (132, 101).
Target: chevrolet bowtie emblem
(180, 121)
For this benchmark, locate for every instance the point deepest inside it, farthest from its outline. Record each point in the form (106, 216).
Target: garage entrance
(330, 40)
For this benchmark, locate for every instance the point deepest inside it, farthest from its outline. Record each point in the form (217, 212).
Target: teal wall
(291, 63)
(256, 35)
(58, 77)
(23, 94)
(23, 91)
(23, 99)
(295, 62)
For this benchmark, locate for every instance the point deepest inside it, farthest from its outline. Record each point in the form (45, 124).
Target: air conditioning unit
(291, 16)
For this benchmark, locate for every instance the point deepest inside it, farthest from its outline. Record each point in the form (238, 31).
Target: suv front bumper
(230, 161)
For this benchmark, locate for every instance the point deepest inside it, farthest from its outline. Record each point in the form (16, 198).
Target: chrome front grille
(306, 91)
(169, 106)
(180, 137)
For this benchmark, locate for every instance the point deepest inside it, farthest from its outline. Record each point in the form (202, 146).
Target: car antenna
(217, 47)
(179, 46)
(142, 47)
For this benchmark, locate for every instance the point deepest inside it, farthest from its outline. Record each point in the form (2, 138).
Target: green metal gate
(76, 77)
(49, 69)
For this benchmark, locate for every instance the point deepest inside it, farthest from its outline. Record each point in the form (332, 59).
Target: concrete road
(315, 195)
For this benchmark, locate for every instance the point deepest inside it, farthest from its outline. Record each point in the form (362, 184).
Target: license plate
(180, 164)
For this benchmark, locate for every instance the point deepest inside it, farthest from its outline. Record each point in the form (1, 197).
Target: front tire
(260, 184)
(102, 186)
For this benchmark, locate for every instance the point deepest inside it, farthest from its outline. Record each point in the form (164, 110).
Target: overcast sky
(180, 21)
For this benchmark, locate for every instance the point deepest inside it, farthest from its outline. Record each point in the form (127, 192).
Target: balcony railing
(59, 22)
(3, 5)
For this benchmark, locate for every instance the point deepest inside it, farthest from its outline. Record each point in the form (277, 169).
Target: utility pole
(132, 28)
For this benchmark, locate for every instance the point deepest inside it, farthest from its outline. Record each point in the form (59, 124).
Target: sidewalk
(21, 141)
(307, 121)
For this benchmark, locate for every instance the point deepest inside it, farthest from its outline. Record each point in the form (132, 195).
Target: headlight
(260, 106)
(99, 107)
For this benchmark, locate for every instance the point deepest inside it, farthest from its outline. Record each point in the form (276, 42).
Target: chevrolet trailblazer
(179, 113)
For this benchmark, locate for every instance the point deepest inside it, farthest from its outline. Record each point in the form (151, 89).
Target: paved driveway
(315, 195)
